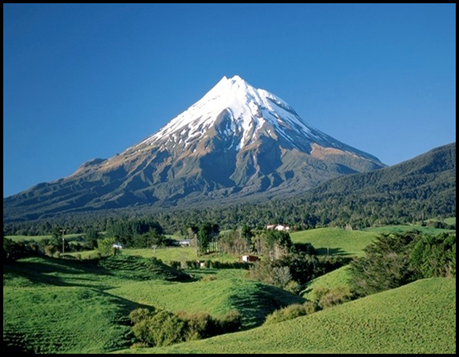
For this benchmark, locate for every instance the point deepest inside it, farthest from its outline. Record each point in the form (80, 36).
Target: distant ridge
(435, 166)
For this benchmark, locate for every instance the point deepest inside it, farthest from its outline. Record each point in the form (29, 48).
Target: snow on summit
(249, 109)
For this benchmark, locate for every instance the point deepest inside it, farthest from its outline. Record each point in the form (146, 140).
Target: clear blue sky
(82, 81)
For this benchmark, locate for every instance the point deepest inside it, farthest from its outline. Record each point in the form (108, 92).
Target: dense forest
(421, 188)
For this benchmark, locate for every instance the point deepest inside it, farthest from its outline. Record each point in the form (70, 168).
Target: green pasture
(69, 306)
(416, 318)
(449, 220)
(166, 254)
(64, 319)
(335, 241)
(56, 305)
(336, 278)
(217, 293)
(22, 238)
(182, 254)
(406, 228)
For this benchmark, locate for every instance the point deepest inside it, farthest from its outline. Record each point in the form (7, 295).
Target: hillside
(336, 278)
(416, 318)
(335, 241)
(70, 306)
(434, 169)
(412, 191)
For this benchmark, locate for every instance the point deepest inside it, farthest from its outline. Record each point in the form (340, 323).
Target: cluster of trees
(157, 327)
(268, 243)
(396, 259)
(14, 250)
(392, 260)
(204, 236)
(137, 233)
(294, 270)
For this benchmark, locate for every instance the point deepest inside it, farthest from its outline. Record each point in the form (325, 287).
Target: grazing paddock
(335, 241)
(416, 318)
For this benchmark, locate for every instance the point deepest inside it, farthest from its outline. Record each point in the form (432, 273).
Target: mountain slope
(236, 141)
(406, 177)
(413, 190)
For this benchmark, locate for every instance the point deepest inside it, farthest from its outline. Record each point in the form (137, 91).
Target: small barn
(182, 242)
(117, 246)
(278, 227)
(249, 258)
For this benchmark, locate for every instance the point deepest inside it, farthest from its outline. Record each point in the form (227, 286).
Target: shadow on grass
(45, 270)
(39, 341)
(331, 251)
(264, 301)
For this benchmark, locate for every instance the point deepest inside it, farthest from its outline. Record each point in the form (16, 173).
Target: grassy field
(335, 278)
(19, 238)
(81, 306)
(68, 306)
(166, 254)
(225, 290)
(416, 318)
(335, 241)
(406, 228)
(449, 220)
(71, 319)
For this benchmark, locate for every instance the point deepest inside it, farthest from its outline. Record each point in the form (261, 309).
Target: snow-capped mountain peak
(234, 143)
(248, 109)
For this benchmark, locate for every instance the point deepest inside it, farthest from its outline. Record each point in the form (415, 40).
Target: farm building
(249, 258)
(184, 242)
(278, 227)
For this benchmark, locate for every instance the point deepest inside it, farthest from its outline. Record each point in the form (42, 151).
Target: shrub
(191, 264)
(310, 307)
(334, 296)
(293, 287)
(198, 325)
(162, 328)
(208, 264)
(140, 345)
(139, 314)
(175, 264)
(298, 267)
(230, 322)
(167, 328)
(306, 248)
(208, 278)
(290, 312)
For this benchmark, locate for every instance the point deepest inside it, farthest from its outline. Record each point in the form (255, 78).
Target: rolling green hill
(405, 228)
(335, 241)
(416, 318)
(69, 306)
(336, 278)
(64, 319)
(226, 290)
